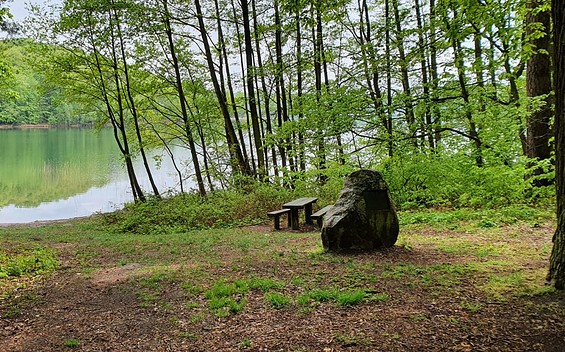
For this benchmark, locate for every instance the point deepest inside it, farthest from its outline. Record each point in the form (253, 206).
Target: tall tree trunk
(242, 66)
(136, 188)
(434, 73)
(280, 82)
(514, 100)
(427, 121)
(224, 54)
(299, 88)
(369, 61)
(472, 127)
(266, 95)
(252, 101)
(130, 101)
(388, 78)
(182, 100)
(236, 156)
(538, 83)
(317, 34)
(403, 63)
(118, 125)
(556, 273)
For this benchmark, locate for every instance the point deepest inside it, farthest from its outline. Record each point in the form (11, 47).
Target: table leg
(308, 213)
(294, 218)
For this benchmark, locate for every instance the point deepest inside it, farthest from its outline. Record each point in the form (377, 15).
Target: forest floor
(447, 286)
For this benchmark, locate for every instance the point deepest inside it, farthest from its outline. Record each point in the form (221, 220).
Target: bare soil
(102, 311)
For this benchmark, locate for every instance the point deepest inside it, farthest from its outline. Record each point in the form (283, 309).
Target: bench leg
(308, 213)
(277, 222)
(320, 221)
(289, 219)
(294, 218)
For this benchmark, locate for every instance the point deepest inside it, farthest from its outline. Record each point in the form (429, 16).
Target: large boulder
(363, 217)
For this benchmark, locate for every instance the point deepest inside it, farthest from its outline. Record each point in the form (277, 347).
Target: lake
(56, 173)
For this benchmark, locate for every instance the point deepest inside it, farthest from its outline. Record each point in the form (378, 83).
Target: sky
(18, 8)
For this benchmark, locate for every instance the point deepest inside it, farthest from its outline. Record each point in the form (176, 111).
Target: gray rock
(363, 217)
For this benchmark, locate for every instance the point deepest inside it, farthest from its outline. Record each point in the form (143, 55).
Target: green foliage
(481, 217)
(29, 263)
(454, 181)
(351, 298)
(190, 211)
(225, 298)
(29, 97)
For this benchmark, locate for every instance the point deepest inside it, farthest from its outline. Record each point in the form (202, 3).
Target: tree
(6, 25)
(556, 273)
(238, 161)
(182, 97)
(538, 82)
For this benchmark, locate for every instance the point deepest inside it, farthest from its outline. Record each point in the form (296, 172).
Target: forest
(450, 99)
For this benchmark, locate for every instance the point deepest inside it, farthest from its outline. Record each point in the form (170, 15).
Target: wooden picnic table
(298, 204)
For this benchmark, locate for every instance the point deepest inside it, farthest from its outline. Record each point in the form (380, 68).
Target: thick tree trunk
(556, 273)
(538, 83)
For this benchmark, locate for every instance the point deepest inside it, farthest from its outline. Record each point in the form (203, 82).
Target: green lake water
(48, 174)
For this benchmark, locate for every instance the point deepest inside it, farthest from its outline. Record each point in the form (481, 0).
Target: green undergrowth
(187, 212)
(27, 263)
(249, 205)
(485, 218)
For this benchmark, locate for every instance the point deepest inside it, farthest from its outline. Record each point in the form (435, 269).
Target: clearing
(448, 285)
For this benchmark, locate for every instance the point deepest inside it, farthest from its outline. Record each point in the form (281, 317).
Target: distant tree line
(26, 97)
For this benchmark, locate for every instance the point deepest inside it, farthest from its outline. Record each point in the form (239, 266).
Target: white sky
(18, 8)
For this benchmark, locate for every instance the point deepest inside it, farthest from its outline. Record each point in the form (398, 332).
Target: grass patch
(343, 298)
(351, 340)
(72, 343)
(277, 300)
(28, 263)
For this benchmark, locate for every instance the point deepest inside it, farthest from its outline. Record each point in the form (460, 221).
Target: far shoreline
(44, 126)
(37, 223)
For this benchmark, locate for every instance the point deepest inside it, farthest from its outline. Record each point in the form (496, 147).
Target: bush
(190, 211)
(419, 181)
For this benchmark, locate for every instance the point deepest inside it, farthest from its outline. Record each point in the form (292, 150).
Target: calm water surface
(49, 174)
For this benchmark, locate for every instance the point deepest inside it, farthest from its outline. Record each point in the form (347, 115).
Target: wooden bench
(319, 215)
(276, 214)
(298, 204)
